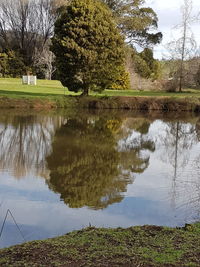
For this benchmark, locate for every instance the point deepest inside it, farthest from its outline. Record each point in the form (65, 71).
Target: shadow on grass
(27, 94)
(107, 93)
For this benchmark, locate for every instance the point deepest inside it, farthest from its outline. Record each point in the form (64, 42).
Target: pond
(62, 171)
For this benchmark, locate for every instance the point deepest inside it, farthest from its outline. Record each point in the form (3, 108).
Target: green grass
(135, 246)
(11, 87)
(185, 93)
(14, 88)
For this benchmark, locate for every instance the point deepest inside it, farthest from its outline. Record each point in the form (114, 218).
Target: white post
(29, 80)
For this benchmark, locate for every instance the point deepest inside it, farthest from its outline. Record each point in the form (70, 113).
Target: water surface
(61, 172)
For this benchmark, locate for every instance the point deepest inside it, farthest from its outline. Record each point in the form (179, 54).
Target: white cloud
(169, 15)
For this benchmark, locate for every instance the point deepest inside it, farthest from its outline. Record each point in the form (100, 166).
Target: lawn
(185, 93)
(11, 87)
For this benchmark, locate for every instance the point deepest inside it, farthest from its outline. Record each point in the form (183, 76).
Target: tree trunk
(85, 91)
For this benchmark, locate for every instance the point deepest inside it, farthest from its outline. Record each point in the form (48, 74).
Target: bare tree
(27, 25)
(185, 47)
(46, 61)
(185, 26)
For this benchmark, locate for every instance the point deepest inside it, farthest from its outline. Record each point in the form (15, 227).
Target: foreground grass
(13, 88)
(135, 246)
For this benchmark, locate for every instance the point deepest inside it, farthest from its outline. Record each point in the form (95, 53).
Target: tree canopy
(88, 46)
(145, 64)
(26, 27)
(138, 23)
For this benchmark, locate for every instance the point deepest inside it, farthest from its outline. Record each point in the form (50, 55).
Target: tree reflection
(25, 141)
(84, 164)
(135, 145)
(198, 129)
(88, 168)
(178, 141)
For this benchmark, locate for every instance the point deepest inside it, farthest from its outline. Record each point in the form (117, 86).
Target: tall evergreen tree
(88, 46)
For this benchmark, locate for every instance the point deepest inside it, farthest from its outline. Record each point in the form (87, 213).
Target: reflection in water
(86, 167)
(198, 129)
(117, 169)
(134, 144)
(178, 139)
(25, 141)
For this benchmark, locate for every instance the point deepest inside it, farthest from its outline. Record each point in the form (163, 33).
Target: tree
(138, 23)
(27, 25)
(44, 65)
(88, 46)
(197, 76)
(145, 65)
(11, 64)
(122, 80)
(183, 48)
(186, 20)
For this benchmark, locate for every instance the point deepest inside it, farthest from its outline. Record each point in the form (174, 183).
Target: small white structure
(29, 79)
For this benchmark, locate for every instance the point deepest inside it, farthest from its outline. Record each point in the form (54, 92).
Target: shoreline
(135, 246)
(188, 104)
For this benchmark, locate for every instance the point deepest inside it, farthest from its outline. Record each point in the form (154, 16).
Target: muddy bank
(91, 102)
(142, 103)
(25, 103)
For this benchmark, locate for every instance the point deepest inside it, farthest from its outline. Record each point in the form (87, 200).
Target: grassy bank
(135, 246)
(10, 87)
(51, 94)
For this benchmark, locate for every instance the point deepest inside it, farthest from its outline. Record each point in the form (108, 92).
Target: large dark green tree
(138, 23)
(88, 46)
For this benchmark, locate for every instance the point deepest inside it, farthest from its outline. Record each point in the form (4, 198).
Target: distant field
(12, 87)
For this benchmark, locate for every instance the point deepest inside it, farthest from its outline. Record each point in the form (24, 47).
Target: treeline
(27, 26)
(190, 73)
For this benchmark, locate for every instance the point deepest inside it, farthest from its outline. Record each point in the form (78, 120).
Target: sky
(169, 15)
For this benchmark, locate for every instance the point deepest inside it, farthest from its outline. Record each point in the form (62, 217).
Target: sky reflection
(106, 171)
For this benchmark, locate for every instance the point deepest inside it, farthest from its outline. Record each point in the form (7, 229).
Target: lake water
(61, 172)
